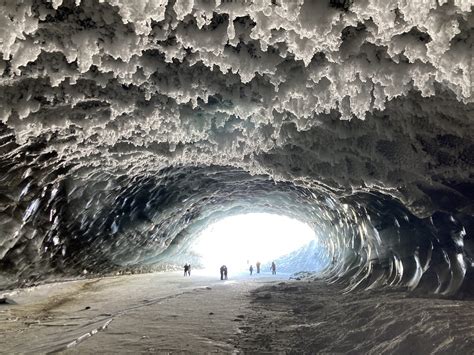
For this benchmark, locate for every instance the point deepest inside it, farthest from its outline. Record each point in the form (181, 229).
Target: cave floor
(166, 312)
(163, 312)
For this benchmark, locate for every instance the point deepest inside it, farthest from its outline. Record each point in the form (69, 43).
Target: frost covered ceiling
(335, 96)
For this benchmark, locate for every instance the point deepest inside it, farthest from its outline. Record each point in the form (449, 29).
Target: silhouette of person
(251, 269)
(189, 269)
(186, 268)
(258, 267)
(223, 272)
(273, 268)
(222, 269)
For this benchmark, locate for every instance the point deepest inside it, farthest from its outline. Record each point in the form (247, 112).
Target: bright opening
(242, 240)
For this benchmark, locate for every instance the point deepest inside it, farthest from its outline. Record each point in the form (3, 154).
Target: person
(251, 270)
(223, 272)
(258, 267)
(273, 268)
(186, 268)
(189, 269)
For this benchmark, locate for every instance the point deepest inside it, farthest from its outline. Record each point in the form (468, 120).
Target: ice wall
(336, 98)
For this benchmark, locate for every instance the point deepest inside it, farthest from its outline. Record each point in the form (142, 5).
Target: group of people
(187, 269)
(258, 264)
(223, 269)
(223, 272)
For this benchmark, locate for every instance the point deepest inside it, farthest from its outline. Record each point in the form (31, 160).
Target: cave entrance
(241, 240)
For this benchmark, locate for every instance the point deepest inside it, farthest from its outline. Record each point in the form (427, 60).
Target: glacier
(127, 127)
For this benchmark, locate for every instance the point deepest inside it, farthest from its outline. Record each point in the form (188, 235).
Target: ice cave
(131, 128)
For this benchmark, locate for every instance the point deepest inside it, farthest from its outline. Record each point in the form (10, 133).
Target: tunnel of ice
(127, 127)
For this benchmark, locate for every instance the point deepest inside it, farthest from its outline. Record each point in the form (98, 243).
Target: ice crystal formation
(128, 126)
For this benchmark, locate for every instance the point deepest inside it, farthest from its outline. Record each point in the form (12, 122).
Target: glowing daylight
(242, 240)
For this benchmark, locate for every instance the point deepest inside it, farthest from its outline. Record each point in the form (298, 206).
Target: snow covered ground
(314, 317)
(168, 312)
(134, 313)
